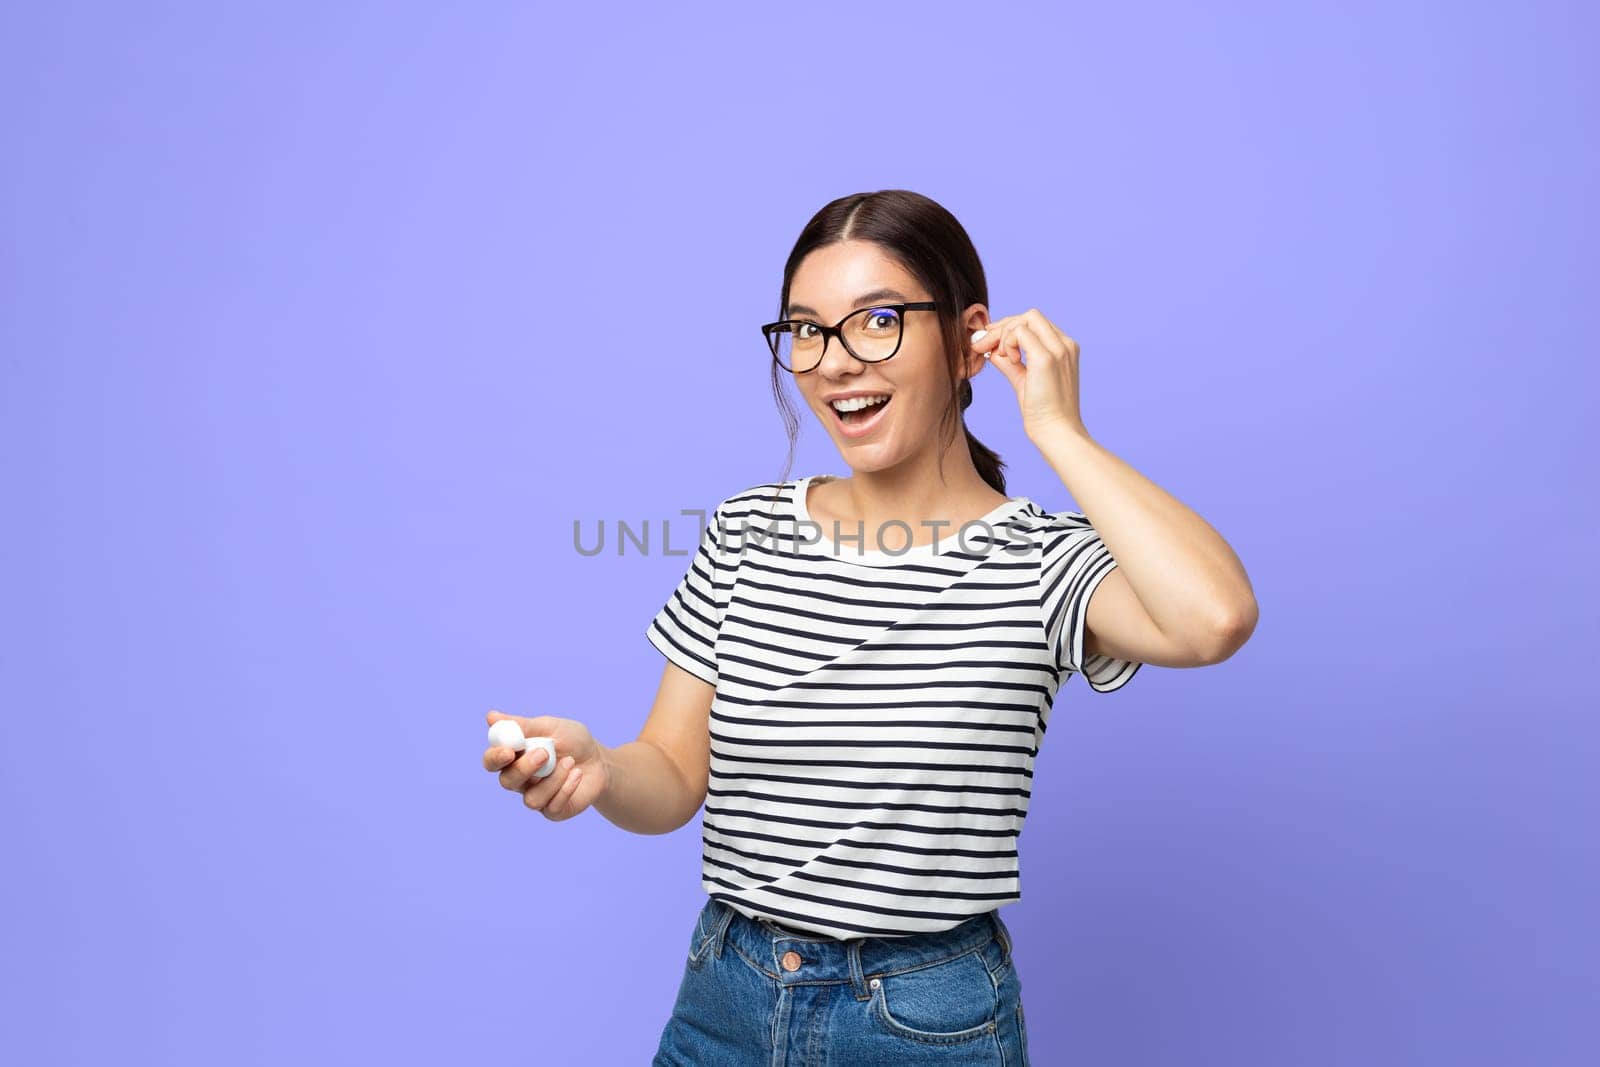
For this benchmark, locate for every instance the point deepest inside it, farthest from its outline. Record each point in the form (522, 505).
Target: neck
(914, 492)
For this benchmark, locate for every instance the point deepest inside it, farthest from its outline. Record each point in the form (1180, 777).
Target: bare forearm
(644, 793)
(1186, 576)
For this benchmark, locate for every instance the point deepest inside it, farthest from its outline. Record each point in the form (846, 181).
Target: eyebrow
(864, 298)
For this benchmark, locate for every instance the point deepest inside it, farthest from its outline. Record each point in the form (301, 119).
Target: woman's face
(830, 284)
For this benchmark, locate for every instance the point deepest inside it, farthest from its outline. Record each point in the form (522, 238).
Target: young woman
(860, 669)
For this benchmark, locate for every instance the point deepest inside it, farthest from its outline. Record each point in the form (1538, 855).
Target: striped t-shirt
(877, 708)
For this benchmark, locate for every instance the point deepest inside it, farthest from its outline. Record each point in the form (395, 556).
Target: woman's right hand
(580, 775)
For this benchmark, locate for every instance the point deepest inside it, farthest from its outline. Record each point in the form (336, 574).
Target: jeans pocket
(705, 929)
(945, 1003)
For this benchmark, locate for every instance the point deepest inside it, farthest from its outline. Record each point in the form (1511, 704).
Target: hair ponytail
(989, 464)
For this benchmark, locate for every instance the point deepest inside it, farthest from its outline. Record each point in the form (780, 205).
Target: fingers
(994, 332)
(501, 758)
(1009, 347)
(1051, 338)
(495, 716)
(1028, 334)
(993, 326)
(564, 803)
(555, 793)
(1024, 338)
(1001, 336)
(1048, 330)
(532, 725)
(992, 335)
(998, 343)
(551, 794)
(519, 774)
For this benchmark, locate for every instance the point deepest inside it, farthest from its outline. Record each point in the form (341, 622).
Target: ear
(973, 319)
(974, 362)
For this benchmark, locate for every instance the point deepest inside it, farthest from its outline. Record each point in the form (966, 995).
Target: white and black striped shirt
(877, 713)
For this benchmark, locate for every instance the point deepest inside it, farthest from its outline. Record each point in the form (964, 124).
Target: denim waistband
(818, 959)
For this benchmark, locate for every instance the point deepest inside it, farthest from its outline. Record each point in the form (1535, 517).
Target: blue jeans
(756, 994)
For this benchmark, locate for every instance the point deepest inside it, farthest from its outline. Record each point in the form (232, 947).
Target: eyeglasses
(871, 335)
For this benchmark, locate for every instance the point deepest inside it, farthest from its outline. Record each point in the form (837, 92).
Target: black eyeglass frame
(769, 331)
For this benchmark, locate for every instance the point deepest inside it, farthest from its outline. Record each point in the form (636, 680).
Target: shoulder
(756, 505)
(1068, 546)
(1056, 527)
(1048, 528)
(756, 501)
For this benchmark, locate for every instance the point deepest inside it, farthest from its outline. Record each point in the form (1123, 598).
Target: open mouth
(862, 420)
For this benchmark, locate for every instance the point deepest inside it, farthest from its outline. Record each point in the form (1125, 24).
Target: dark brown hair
(929, 243)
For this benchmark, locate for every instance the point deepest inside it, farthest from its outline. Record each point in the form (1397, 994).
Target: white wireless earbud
(507, 734)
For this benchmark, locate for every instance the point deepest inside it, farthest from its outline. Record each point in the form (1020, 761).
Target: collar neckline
(949, 538)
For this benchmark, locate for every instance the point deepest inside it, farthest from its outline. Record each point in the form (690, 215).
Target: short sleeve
(1075, 561)
(685, 629)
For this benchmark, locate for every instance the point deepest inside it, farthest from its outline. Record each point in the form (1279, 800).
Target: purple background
(321, 327)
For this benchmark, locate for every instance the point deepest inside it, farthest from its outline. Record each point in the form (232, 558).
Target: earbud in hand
(507, 734)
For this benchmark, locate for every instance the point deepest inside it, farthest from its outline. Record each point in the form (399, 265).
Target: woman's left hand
(1047, 386)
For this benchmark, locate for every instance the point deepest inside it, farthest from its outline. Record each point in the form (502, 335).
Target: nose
(836, 360)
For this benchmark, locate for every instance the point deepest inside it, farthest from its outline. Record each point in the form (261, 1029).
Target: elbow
(1230, 631)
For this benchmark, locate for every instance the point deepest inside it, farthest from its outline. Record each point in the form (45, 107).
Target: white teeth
(856, 403)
